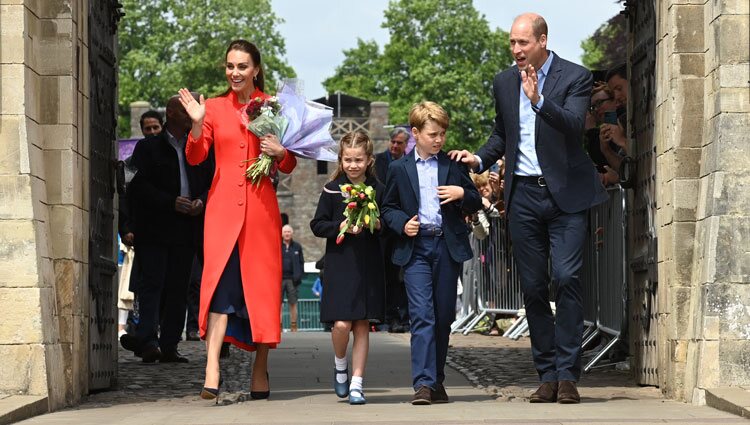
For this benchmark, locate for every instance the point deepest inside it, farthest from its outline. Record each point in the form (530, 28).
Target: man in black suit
(396, 149)
(551, 183)
(168, 197)
(396, 314)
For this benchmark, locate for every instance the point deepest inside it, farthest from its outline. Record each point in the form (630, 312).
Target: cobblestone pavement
(499, 366)
(504, 369)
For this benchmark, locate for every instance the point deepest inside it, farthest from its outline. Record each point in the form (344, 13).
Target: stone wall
(43, 192)
(703, 163)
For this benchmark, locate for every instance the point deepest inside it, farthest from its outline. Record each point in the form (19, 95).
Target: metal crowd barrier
(605, 274)
(492, 285)
(308, 315)
(469, 282)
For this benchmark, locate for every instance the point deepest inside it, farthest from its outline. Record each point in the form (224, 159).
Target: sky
(318, 31)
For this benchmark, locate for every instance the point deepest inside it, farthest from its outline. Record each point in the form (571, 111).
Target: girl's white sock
(356, 383)
(340, 365)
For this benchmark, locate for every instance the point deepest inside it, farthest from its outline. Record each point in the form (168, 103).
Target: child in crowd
(353, 276)
(426, 199)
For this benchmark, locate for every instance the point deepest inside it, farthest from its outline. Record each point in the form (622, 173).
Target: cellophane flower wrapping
(361, 208)
(302, 126)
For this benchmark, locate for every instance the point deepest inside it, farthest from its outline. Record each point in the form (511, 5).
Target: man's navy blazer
(401, 203)
(569, 173)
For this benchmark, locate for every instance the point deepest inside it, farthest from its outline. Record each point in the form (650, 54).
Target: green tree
(439, 50)
(169, 44)
(607, 47)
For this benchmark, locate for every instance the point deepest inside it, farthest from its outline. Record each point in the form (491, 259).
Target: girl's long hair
(355, 139)
(252, 50)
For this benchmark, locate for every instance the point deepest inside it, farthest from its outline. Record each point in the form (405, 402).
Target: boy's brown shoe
(422, 397)
(547, 393)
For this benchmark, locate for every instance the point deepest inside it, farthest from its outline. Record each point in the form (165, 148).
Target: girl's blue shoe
(341, 389)
(356, 397)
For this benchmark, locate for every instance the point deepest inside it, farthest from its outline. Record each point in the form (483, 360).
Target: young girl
(354, 282)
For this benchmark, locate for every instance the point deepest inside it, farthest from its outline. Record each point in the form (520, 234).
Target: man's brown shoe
(546, 393)
(439, 395)
(422, 397)
(568, 393)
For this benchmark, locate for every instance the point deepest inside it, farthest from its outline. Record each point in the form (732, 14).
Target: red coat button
(242, 145)
(240, 202)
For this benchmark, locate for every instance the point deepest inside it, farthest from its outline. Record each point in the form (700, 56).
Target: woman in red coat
(240, 299)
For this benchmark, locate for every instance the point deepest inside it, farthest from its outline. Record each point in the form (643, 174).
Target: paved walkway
(301, 374)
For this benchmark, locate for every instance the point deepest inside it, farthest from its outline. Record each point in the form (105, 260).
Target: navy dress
(229, 299)
(353, 276)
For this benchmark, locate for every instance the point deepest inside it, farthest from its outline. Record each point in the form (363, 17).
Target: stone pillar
(702, 117)
(136, 110)
(43, 183)
(378, 121)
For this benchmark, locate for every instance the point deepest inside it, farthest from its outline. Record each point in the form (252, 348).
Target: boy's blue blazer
(401, 202)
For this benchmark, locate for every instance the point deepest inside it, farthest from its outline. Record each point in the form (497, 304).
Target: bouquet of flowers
(360, 208)
(301, 126)
(264, 118)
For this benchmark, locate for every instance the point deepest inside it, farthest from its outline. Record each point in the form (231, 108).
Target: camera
(610, 117)
(495, 168)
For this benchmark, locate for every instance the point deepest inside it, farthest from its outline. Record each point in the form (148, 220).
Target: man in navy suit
(426, 198)
(551, 183)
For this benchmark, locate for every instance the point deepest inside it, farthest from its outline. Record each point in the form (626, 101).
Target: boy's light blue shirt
(429, 203)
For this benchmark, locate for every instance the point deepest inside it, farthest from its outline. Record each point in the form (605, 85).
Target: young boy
(426, 198)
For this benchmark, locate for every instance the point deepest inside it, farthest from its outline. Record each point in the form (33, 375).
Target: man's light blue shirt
(429, 203)
(527, 163)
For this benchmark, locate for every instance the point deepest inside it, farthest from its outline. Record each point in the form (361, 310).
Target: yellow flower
(354, 192)
(368, 191)
(371, 206)
(367, 220)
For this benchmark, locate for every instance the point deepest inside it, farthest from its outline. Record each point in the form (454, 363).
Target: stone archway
(693, 327)
(58, 85)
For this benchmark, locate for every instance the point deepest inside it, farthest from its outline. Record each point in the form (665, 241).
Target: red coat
(239, 212)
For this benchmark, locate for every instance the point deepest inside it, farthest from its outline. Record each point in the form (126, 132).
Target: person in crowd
(396, 149)
(614, 143)
(165, 195)
(354, 276)
(602, 153)
(481, 227)
(240, 299)
(125, 297)
(292, 266)
(426, 199)
(396, 314)
(541, 105)
(617, 81)
(151, 123)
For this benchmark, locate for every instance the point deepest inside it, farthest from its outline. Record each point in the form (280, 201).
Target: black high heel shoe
(262, 395)
(212, 393)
